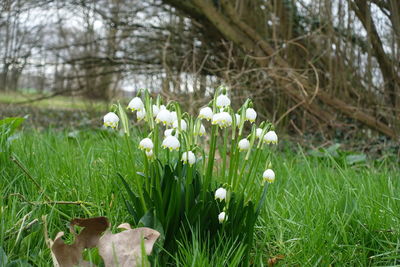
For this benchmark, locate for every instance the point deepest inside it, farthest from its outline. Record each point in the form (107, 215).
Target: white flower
(237, 119)
(146, 144)
(183, 125)
(259, 132)
(202, 130)
(206, 113)
(168, 132)
(221, 217)
(220, 194)
(136, 104)
(171, 142)
(141, 114)
(174, 116)
(164, 117)
(111, 120)
(251, 114)
(271, 137)
(269, 176)
(223, 119)
(149, 153)
(189, 157)
(244, 144)
(156, 109)
(223, 101)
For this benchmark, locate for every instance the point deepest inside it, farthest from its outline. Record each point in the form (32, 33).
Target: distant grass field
(56, 102)
(319, 212)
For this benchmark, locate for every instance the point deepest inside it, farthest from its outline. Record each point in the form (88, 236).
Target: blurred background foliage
(320, 70)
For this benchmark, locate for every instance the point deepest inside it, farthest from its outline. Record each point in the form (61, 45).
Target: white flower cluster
(181, 132)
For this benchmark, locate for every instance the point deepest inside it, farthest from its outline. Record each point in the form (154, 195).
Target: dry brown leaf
(93, 228)
(124, 249)
(65, 255)
(274, 260)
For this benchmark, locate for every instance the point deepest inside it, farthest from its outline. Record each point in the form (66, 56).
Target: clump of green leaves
(180, 185)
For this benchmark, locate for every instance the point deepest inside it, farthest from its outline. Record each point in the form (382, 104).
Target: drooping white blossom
(271, 138)
(251, 114)
(174, 116)
(244, 144)
(222, 119)
(237, 119)
(189, 157)
(111, 120)
(206, 113)
(220, 194)
(146, 144)
(223, 101)
(221, 217)
(259, 132)
(171, 143)
(155, 110)
(149, 153)
(136, 104)
(141, 114)
(164, 117)
(183, 125)
(168, 132)
(202, 130)
(269, 176)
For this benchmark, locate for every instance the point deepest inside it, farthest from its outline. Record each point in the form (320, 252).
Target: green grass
(318, 212)
(56, 102)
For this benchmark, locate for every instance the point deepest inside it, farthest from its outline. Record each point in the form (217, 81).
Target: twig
(22, 167)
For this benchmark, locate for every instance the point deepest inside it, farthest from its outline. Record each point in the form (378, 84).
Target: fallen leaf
(274, 260)
(124, 249)
(93, 228)
(65, 255)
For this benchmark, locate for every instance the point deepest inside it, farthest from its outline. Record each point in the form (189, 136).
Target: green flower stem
(232, 162)
(146, 172)
(224, 153)
(211, 155)
(167, 156)
(155, 140)
(188, 181)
